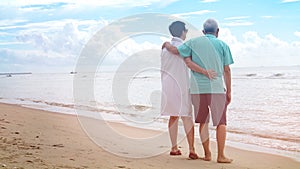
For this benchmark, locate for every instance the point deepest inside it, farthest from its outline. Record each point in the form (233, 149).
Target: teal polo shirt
(209, 53)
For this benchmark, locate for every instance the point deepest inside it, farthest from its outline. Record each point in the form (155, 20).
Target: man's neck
(211, 34)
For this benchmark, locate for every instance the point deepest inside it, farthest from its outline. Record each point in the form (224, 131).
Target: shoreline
(239, 145)
(34, 138)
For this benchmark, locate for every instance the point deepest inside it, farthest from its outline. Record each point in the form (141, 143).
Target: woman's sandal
(175, 153)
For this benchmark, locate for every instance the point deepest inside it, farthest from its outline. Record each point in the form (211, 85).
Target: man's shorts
(216, 103)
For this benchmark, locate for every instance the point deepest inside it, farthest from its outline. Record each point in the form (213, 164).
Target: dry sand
(31, 138)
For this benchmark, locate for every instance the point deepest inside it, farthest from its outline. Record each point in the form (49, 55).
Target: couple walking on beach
(209, 59)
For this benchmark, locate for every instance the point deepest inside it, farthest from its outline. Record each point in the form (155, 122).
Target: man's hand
(227, 78)
(228, 98)
(211, 74)
(170, 48)
(164, 45)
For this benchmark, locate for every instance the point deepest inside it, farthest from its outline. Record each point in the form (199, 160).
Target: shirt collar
(210, 35)
(177, 39)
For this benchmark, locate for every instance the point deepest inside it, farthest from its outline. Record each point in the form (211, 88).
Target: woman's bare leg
(173, 131)
(189, 131)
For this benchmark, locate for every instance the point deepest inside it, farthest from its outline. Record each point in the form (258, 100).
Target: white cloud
(237, 18)
(11, 43)
(49, 26)
(238, 23)
(46, 44)
(164, 39)
(127, 48)
(6, 34)
(208, 1)
(257, 50)
(62, 37)
(7, 22)
(252, 50)
(166, 3)
(187, 14)
(287, 1)
(92, 3)
(297, 33)
(60, 41)
(58, 36)
(60, 49)
(33, 60)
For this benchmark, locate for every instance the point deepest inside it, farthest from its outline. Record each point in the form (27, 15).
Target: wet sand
(31, 138)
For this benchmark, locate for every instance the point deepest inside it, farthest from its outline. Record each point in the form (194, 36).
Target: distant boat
(251, 74)
(10, 74)
(73, 72)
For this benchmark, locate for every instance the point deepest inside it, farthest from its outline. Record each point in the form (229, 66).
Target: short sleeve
(185, 49)
(227, 56)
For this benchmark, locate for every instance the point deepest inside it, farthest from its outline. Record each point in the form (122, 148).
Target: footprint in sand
(4, 121)
(3, 165)
(58, 145)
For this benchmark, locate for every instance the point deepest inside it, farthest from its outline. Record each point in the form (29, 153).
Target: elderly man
(209, 94)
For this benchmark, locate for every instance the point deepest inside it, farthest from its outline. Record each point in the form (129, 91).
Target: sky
(49, 35)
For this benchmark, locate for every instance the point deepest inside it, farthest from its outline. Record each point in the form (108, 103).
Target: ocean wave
(47, 102)
(264, 135)
(142, 77)
(251, 74)
(73, 106)
(135, 107)
(278, 74)
(266, 76)
(139, 107)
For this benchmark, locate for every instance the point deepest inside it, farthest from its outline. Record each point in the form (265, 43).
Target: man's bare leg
(173, 131)
(204, 135)
(221, 137)
(189, 131)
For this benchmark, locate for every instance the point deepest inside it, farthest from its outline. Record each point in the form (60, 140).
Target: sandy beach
(31, 138)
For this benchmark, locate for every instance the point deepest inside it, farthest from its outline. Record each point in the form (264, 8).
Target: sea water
(264, 113)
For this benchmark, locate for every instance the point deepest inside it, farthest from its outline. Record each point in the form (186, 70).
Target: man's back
(211, 53)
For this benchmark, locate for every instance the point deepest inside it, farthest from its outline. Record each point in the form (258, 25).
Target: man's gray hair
(210, 26)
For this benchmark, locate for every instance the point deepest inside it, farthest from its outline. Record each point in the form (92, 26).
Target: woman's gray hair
(210, 26)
